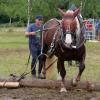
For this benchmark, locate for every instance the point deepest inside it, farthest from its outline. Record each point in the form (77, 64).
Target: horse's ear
(76, 12)
(62, 13)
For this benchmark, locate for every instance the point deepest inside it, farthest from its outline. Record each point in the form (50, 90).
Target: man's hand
(30, 33)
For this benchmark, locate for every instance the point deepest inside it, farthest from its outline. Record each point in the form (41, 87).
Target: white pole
(28, 13)
(81, 5)
(94, 32)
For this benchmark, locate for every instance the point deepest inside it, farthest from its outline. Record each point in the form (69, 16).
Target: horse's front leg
(62, 72)
(81, 69)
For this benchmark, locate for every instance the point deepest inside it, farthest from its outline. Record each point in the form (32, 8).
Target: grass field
(14, 54)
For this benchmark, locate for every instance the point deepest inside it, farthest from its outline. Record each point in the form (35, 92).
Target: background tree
(15, 11)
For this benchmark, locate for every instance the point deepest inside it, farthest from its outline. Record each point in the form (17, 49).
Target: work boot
(40, 76)
(33, 77)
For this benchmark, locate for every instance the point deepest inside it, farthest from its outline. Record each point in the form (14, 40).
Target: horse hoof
(74, 82)
(90, 86)
(63, 90)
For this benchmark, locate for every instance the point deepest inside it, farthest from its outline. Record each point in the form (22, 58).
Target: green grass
(14, 54)
(13, 40)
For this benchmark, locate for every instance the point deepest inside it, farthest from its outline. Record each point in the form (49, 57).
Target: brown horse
(65, 40)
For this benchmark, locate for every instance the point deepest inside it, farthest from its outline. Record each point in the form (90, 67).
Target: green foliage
(91, 9)
(16, 10)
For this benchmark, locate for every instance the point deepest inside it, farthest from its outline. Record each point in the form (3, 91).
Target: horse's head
(69, 24)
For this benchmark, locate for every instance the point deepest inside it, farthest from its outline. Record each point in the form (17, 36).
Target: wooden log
(9, 84)
(55, 84)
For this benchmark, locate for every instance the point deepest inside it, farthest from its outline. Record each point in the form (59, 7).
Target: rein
(53, 43)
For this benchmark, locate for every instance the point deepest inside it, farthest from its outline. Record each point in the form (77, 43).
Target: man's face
(38, 21)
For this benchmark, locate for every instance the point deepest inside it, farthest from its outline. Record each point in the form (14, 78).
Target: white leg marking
(59, 76)
(63, 90)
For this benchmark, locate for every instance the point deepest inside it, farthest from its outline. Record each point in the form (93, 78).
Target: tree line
(16, 11)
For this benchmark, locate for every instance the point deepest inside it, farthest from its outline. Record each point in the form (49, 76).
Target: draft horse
(65, 40)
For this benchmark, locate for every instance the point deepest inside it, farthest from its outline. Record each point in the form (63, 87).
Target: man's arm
(29, 33)
(29, 30)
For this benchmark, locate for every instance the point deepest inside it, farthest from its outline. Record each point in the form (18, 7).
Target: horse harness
(59, 41)
(53, 43)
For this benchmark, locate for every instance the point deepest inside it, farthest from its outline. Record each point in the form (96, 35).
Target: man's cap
(40, 17)
(73, 7)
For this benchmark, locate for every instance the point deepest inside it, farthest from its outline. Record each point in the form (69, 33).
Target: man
(73, 7)
(34, 44)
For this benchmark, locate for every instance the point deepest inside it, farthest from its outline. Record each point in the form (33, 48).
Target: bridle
(67, 30)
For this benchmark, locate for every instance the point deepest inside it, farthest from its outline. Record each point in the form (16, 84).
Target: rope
(24, 74)
(27, 64)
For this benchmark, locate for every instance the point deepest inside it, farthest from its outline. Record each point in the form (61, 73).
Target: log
(56, 84)
(53, 84)
(9, 84)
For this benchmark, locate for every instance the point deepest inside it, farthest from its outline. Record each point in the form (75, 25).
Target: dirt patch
(46, 94)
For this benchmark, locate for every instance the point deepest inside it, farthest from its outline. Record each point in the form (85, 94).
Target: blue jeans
(35, 50)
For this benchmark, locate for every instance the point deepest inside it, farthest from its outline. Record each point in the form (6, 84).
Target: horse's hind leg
(62, 72)
(43, 66)
(44, 51)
